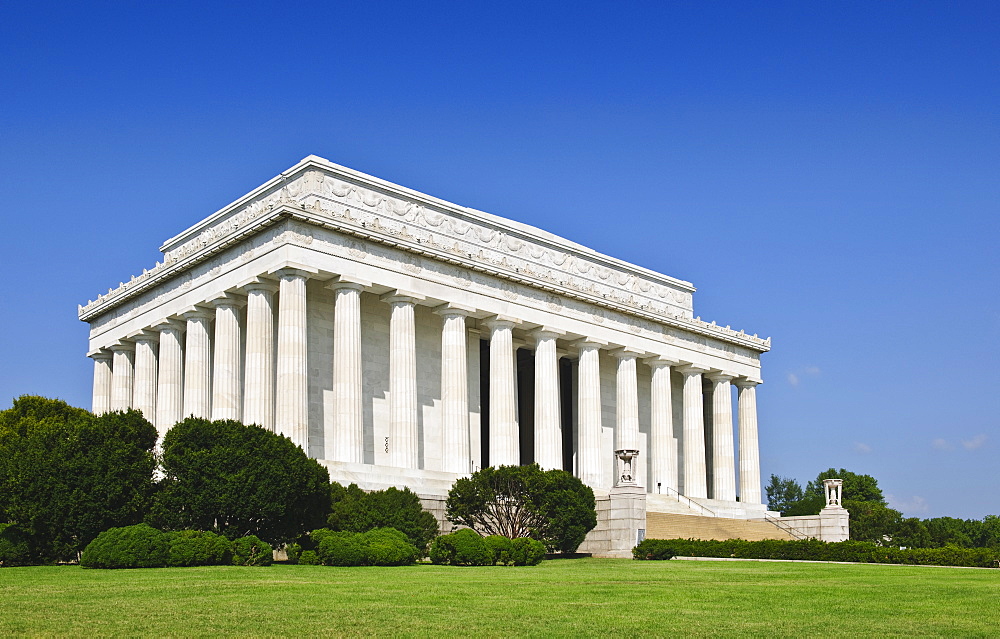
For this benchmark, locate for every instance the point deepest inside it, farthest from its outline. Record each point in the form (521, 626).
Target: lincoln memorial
(403, 340)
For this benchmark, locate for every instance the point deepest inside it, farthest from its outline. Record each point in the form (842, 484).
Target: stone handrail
(690, 503)
(788, 528)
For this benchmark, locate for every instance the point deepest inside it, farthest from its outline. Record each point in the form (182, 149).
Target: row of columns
(273, 389)
(197, 374)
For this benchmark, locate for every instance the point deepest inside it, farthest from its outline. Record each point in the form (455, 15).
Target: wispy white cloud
(908, 506)
(940, 444)
(795, 377)
(975, 442)
(862, 448)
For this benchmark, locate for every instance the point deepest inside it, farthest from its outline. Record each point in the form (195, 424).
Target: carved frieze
(423, 226)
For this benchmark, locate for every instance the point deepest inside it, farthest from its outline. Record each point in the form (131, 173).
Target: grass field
(584, 597)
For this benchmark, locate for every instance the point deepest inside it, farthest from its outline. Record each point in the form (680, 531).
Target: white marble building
(405, 340)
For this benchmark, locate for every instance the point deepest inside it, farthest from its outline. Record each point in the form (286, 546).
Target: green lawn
(586, 597)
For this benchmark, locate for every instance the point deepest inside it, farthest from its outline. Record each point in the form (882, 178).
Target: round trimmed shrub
(138, 546)
(463, 547)
(199, 548)
(501, 547)
(388, 547)
(340, 549)
(14, 550)
(309, 558)
(251, 551)
(525, 551)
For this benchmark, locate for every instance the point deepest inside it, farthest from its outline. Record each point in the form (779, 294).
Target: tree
(354, 510)
(872, 521)
(67, 475)
(524, 501)
(949, 530)
(911, 533)
(782, 492)
(856, 487)
(239, 480)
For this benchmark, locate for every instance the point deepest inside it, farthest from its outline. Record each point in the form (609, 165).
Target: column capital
(719, 376)
(197, 312)
(547, 332)
(293, 269)
(589, 343)
(454, 310)
(228, 299)
(627, 353)
(401, 297)
(659, 361)
(144, 335)
(121, 346)
(349, 283)
(501, 321)
(747, 382)
(259, 284)
(692, 369)
(100, 354)
(169, 323)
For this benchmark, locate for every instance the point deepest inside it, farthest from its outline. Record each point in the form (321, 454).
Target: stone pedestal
(834, 524)
(626, 517)
(620, 515)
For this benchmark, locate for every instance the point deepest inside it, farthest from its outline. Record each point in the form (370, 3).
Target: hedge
(815, 550)
(463, 547)
(466, 547)
(142, 546)
(14, 548)
(138, 546)
(379, 547)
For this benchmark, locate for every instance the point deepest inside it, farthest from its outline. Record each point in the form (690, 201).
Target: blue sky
(825, 173)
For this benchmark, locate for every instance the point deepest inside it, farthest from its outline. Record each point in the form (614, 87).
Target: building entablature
(321, 195)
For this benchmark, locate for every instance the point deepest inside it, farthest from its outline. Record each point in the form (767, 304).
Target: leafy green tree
(949, 530)
(524, 501)
(239, 480)
(856, 487)
(872, 521)
(782, 492)
(67, 475)
(354, 510)
(912, 533)
(989, 535)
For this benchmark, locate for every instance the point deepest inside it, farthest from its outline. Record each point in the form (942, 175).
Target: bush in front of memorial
(552, 506)
(67, 476)
(816, 550)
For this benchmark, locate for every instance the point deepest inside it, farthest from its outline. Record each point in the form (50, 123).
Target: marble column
(258, 382)
(505, 449)
(589, 467)
(346, 442)
(144, 391)
(292, 402)
(170, 379)
(749, 454)
(695, 470)
(102, 382)
(404, 438)
(227, 378)
(197, 365)
(663, 444)
(627, 409)
(548, 423)
(723, 455)
(456, 455)
(122, 375)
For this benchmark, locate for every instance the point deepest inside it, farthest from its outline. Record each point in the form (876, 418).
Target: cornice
(474, 240)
